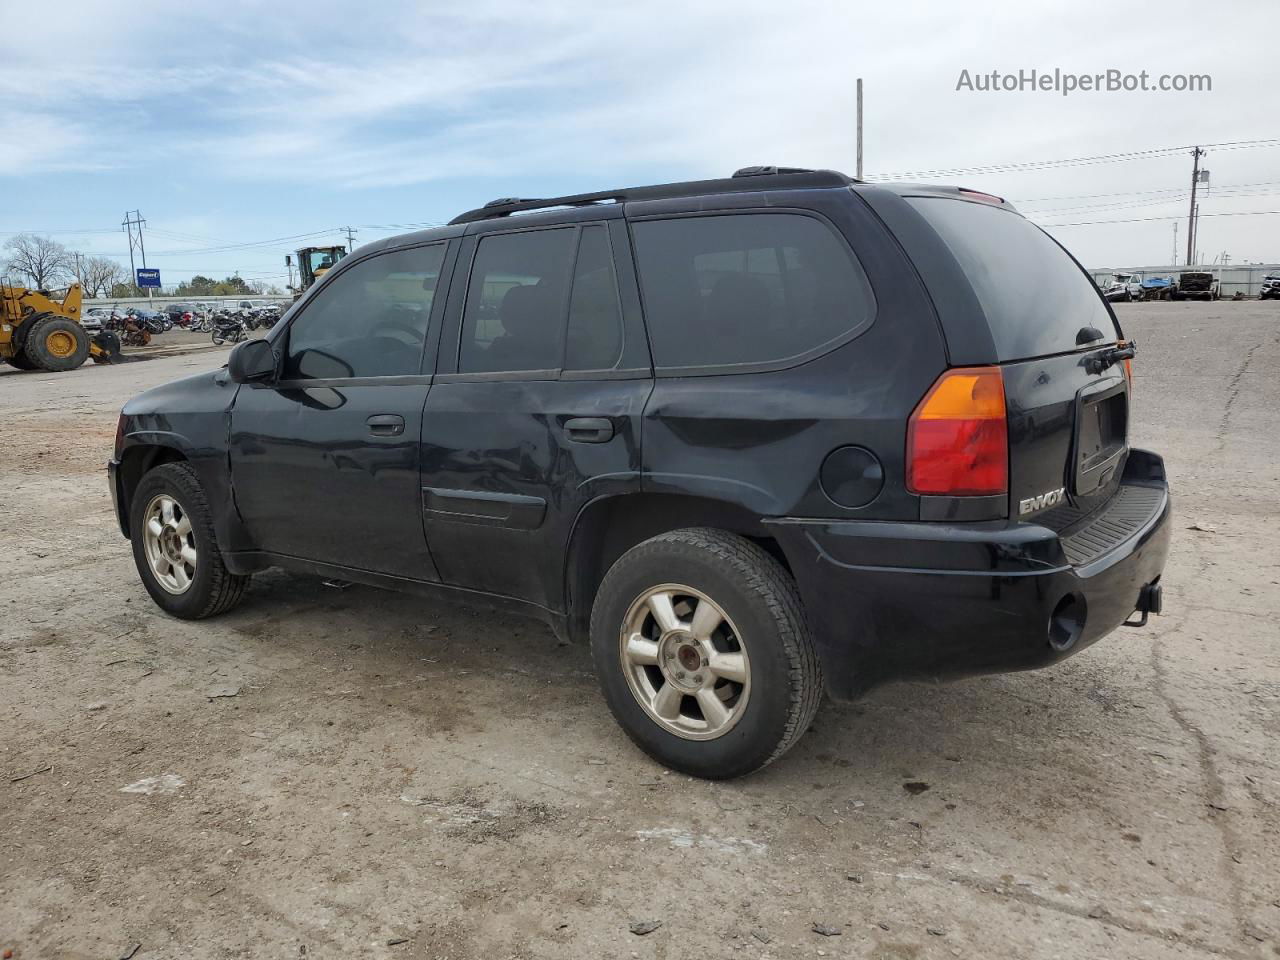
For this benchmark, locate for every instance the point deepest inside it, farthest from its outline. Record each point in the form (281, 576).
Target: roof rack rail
(509, 205)
(746, 180)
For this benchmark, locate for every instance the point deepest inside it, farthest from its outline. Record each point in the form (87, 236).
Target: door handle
(386, 425)
(589, 429)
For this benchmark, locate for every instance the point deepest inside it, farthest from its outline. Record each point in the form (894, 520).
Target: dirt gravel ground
(360, 773)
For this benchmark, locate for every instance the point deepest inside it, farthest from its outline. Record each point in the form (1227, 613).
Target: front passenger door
(325, 461)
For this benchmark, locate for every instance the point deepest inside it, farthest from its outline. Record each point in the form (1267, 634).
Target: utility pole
(1196, 154)
(132, 220)
(1195, 233)
(858, 174)
(1174, 261)
(79, 274)
(351, 240)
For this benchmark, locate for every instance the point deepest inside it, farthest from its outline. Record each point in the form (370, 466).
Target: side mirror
(251, 361)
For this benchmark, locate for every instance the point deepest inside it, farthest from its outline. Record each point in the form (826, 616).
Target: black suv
(751, 439)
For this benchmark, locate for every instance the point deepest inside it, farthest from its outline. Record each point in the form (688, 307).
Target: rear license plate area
(1102, 430)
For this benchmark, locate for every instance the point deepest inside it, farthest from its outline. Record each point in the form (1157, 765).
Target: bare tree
(99, 274)
(41, 261)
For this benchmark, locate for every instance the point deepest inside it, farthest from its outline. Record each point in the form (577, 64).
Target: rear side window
(747, 288)
(1034, 296)
(594, 341)
(515, 313)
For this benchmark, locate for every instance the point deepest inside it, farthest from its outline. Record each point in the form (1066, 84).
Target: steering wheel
(401, 332)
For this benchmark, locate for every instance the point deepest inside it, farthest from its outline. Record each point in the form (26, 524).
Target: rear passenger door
(536, 405)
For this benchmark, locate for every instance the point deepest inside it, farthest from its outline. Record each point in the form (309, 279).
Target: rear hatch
(1068, 409)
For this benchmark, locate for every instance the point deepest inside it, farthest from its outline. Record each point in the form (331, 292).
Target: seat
(525, 343)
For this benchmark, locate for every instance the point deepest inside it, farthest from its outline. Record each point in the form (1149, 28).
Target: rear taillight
(119, 434)
(958, 438)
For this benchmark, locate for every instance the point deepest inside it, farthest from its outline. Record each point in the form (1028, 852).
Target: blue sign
(148, 278)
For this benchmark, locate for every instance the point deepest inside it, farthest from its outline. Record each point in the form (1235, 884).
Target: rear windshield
(1035, 297)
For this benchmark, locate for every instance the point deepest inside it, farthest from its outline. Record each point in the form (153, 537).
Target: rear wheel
(56, 343)
(703, 653)
(175, 548)
(20, 361)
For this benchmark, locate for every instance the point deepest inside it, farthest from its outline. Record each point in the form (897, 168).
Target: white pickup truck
(1124, 286)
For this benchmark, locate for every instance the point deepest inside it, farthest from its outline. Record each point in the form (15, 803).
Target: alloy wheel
(169, 544)
(685, 662)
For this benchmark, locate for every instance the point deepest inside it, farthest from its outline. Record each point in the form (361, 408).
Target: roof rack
(768, 171)
(745, 180)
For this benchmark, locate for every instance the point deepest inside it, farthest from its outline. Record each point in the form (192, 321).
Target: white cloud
(390, 95)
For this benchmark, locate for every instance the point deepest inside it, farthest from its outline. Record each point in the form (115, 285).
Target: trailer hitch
(1150, 600)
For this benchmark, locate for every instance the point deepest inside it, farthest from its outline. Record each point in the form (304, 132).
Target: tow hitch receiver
(1149, 601)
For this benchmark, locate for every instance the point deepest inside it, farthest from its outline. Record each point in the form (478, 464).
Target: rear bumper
(892, 601)
(117, 496)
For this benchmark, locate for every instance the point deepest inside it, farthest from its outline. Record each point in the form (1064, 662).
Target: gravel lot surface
(365, 774)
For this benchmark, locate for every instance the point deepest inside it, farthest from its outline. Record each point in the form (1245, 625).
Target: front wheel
(57, 344)
(702, 650)
(174, 546)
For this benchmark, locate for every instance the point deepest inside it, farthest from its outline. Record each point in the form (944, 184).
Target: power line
(1140, 193)
(1032, 165)
(1239, 213)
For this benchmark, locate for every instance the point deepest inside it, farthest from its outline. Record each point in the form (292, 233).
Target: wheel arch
(609, 526)
(136, 460)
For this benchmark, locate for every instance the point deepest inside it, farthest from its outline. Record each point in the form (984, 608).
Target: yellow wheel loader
(38, 332)
(313, 263)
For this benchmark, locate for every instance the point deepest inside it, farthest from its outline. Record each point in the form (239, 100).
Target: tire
(20, 361)
(211, 589)
(763, 621)
(57, 344)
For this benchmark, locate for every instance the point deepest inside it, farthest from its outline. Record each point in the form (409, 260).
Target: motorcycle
(135, 334)
(269, 316)
(228, 329)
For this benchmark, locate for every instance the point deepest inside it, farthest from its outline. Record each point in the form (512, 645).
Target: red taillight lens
(119, 434)
(958, 437)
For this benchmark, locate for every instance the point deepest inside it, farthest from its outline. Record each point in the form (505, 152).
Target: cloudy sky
(243, 130)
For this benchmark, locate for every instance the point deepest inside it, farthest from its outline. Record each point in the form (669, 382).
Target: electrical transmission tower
(132, 220)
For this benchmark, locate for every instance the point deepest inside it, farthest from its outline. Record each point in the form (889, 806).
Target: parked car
(176, 310)
(750, 440)
(1196, 285)
(1270, 287)
(95, 319)
(1124, 286)
(1157, 288)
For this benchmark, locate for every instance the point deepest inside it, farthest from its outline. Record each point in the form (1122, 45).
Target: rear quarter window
(735, 289)
(1036, 299)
